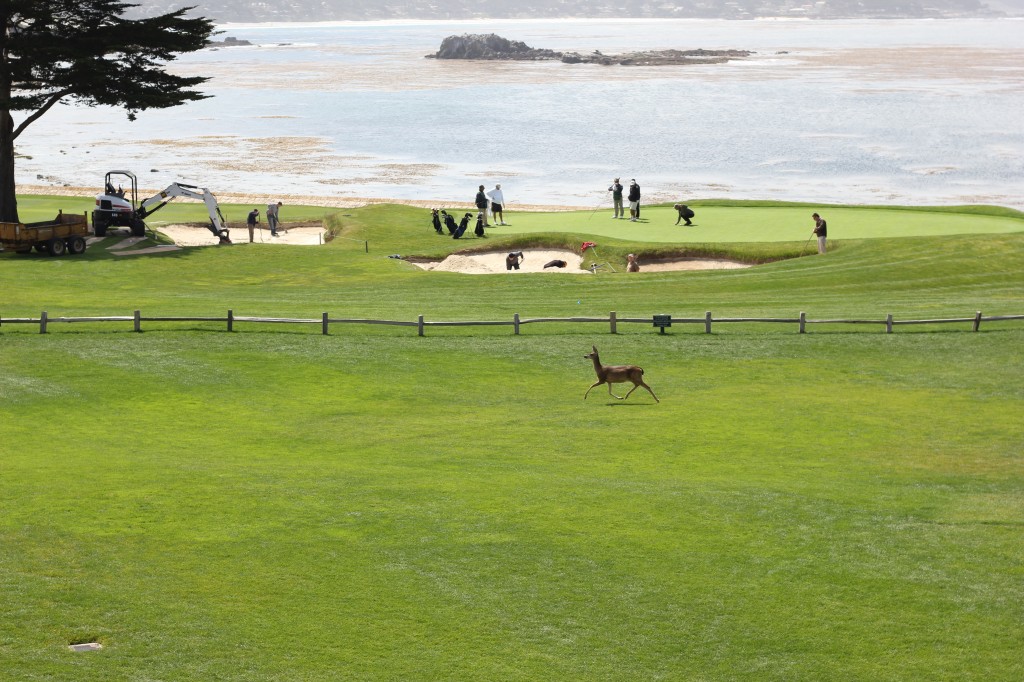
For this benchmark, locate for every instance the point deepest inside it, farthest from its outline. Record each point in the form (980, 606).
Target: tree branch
(56, 97)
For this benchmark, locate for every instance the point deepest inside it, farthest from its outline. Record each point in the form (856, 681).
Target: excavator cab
(118, 207)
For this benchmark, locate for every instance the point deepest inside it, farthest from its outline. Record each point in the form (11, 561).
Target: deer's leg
(588, 390)
(641, 383)
(612, 394)
(649, 390)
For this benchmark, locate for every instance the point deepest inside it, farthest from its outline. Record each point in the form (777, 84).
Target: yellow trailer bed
(63, 234)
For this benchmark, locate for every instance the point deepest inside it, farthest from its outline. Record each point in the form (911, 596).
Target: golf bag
(449, 222)
(479, 231)
(463, 226)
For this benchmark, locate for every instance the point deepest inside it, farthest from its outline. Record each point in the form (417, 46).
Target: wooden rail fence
(612, 320)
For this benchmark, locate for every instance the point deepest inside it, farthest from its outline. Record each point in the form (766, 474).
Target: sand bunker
(298, 235)
(692, 264)
(494, 262)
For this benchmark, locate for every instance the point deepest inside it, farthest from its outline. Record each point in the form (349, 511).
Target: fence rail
(612, 320)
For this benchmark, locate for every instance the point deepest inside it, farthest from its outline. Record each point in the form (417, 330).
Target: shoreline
(297, 199)
(242, 199)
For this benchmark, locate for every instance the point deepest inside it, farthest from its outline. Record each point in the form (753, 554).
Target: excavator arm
(176, 189)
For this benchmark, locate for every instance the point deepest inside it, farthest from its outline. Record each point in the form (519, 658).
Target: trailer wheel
(42, 247)
(76, 246)
(57, 247)
(138, 228)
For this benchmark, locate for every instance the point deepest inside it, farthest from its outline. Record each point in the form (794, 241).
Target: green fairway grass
(771, 222)
(276, 504)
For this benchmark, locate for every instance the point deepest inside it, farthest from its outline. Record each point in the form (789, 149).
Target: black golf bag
(463, 226)
(449, 222)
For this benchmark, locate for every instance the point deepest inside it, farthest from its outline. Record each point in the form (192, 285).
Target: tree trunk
(8, 196)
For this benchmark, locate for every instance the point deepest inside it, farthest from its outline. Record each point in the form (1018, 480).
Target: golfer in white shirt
(497, 202)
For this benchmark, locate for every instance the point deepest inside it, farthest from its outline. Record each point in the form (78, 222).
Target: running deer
(617, 374)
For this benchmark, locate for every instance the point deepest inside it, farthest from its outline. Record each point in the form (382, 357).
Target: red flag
(586, 245)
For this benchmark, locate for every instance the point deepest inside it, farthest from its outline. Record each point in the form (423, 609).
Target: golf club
(596, 209)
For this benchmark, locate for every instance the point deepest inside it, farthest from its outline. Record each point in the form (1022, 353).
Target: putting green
(763, 224)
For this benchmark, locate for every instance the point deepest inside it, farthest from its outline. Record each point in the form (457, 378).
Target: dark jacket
(634, 192)
(481, 200)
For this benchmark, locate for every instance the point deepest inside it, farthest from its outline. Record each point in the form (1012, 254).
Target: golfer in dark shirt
(634, 201)
(616, 190)
(481, 204)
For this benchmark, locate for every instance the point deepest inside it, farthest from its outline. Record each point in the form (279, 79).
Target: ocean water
(896, 112)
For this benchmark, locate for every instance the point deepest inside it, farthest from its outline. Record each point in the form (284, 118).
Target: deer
(617, 374)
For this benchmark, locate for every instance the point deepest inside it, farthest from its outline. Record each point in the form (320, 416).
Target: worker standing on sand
(254, 217)
(821, 231)
(513, 260)
(272, 217)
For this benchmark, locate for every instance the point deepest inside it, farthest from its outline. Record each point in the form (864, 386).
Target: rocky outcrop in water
(230, 41)
(491, 46)
(656, 57)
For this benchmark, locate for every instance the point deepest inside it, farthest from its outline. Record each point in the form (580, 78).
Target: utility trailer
(64, 234)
